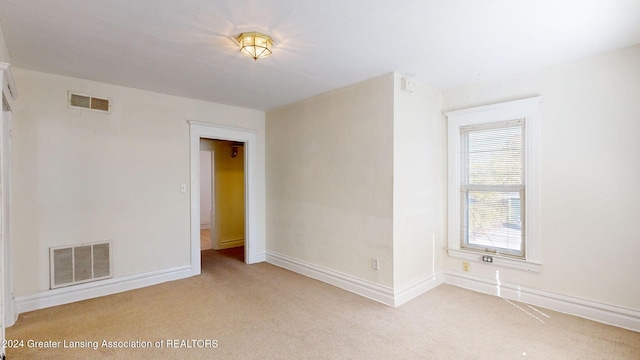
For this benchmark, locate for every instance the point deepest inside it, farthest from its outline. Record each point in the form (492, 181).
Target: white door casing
(255, 242)
(8, 314)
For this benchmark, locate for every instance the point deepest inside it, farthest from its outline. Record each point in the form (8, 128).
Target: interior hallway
(205, 244)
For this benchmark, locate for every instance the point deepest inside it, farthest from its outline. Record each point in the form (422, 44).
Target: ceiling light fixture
(255, 45)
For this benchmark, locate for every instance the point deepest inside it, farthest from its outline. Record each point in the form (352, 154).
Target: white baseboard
(257, 258)
(205, 226)
(350, 283)
(229, 243)
(60, 296)
(416, 288)
(604, 313)
(11, 316)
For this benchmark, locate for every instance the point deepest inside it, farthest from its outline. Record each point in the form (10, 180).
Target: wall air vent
(88, 102)
(71, 265)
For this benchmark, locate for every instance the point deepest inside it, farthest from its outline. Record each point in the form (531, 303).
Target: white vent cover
(88, 102)
(78, 264)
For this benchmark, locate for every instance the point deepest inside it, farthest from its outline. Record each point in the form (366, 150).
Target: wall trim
(417, 287)
(229, 243)
(592, 310)
(260, 257)
(350, 283)
(66, 295)
(476, 256)
(255, 235)
(232, 240)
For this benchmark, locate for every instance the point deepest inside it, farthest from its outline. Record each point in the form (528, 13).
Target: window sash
(480, 227)
(503, 232)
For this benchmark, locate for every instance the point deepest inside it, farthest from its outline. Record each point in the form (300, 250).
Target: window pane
(493, 220)
(495, 156)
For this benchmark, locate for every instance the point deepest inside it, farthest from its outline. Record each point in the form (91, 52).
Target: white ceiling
(185, 47)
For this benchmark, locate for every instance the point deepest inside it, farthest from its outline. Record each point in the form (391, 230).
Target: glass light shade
(255, 45)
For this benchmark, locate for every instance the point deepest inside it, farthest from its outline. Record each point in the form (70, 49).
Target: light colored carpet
(205, 239)
(264, 312)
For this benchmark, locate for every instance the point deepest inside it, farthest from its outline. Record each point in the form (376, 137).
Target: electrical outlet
(375, 264)
(465, 266)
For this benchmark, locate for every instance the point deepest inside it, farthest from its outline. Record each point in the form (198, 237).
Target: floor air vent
(79, 264)
(88, 102)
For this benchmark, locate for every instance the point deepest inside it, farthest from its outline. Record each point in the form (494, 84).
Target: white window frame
(527, 109)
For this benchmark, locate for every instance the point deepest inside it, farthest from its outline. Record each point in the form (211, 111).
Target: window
(493, 183)
(492, 187)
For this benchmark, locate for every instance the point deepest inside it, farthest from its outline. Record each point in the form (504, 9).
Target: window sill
(522, 265)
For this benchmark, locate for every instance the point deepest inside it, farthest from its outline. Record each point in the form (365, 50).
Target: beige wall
(330, 180)
(590, 175)
(228, 228)
(350, 175)
(4, 53)
(81, 176)
(419, 183)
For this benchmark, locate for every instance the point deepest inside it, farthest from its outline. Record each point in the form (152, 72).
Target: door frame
(211, 211)
(8, 313)
(255, 243)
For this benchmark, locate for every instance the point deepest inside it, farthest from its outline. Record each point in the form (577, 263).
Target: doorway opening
(253, 189)
(222, 196)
